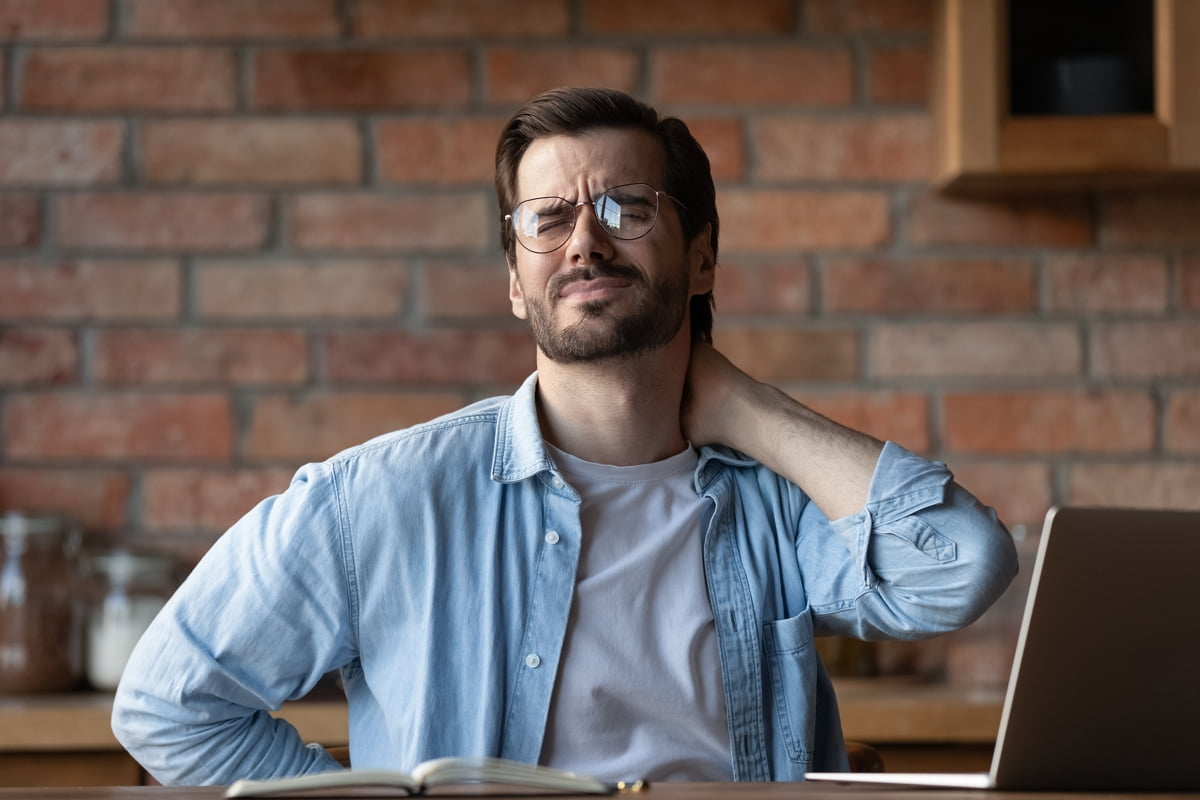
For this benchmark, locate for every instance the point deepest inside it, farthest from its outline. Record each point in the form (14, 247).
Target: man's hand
(723, 405)
(712, 382)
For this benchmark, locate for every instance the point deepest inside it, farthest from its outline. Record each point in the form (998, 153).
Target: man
(617, 570)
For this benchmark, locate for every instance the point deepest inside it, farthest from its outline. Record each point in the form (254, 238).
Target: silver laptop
(1105, 686)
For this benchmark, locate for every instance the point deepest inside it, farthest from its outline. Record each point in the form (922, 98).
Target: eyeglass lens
(543, 224)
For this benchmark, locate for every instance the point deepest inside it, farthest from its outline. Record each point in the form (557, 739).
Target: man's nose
(589, 240)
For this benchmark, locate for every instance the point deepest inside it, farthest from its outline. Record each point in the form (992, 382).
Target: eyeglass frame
(658, 193)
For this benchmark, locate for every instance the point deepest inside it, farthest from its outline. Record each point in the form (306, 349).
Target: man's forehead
(597, 158)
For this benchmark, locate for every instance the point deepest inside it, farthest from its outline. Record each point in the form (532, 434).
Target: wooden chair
(863, 757)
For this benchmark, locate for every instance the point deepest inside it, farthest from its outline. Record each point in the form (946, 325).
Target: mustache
(599, 269)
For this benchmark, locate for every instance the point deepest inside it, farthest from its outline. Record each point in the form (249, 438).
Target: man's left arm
(921, 555)
(833, 464)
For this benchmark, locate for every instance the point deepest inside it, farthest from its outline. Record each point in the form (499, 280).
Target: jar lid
(39, 529)
(21, 523)
(127, 566)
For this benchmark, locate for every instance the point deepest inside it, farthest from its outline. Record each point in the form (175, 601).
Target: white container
(134, 588)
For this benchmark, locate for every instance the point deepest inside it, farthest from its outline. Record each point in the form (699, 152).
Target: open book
(438, 772)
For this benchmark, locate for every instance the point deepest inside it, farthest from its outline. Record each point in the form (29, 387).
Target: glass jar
(132, 589)
(40, 637)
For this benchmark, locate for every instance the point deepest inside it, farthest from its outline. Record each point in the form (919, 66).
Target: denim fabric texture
(434, 568)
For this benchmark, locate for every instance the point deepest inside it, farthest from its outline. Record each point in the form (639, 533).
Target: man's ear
(515, 295)
(701, 262)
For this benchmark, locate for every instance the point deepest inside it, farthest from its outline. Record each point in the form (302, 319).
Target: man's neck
(620, 411)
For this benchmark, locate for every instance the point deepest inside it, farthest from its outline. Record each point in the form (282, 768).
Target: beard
(657, 315)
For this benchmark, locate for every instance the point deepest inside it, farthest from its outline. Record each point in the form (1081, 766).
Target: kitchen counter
(915, 725)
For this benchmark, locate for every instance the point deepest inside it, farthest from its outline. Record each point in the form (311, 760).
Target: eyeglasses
(628, 211)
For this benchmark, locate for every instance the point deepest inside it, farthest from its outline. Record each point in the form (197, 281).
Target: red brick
(724, 142)
(972, 286)
(792, 354)
(516, 74)
(89, 289)
(179, 499)
(976, 349)
(48, 20)
(429, 357)
(35, 356)
(460, 19)
(868, 16)
(1182, 432)
(162, 221)
(120, 426)
(774, 287)
(57, 153)
(884, 148)
(432, 221)
(677, 18)
(773, 221)
(1020, 491)
(1050, 421)
(317, 425)
(760, 74)
(936, 219)
(1189, 283)
(231, 19)
(467, 290)
(20, 221)
(1141, 485)
(1146, 349)
(437, 150)
(129, 78)
(190, 356)
(360, 79)
(898, 75)
(1107, 283)
(300, 290)
(95, 498)
(899, 417)
(1136, 220)
(268, 152)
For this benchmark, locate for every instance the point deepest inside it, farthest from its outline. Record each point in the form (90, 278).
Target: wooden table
(659, 791)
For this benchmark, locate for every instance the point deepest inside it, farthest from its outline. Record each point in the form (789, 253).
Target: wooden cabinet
(982, 147)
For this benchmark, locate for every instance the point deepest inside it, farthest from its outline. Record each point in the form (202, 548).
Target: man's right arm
(261, 619)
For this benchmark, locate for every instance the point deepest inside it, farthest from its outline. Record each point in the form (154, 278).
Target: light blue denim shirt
(434, 567)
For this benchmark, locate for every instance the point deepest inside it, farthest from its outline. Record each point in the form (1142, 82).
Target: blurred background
(239, 235)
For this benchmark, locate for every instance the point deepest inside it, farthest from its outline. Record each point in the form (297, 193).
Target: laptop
(1104, 691)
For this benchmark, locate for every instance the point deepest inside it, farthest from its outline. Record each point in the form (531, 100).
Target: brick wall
(236, 235)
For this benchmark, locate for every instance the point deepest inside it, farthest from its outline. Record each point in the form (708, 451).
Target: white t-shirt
(639, 692)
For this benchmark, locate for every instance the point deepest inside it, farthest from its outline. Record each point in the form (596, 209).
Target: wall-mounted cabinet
(1034, 95)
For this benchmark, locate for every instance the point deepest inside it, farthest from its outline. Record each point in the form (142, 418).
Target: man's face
(596, 296)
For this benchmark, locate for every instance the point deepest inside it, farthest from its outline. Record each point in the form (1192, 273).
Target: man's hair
(572, 111)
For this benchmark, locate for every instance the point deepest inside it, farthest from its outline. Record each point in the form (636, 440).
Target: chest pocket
(791, 661)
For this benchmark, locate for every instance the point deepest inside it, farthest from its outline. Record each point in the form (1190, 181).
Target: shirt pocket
(791, 662)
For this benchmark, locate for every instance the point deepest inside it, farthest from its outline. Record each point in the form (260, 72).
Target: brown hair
(570, 111)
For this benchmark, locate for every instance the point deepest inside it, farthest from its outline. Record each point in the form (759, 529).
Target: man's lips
(592, 280)
(588, 287)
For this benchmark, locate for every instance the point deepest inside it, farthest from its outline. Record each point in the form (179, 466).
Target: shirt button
(532, 661)
(557, 482)
(552, 537)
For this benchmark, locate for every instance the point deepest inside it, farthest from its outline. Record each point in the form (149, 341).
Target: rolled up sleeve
(926, 557)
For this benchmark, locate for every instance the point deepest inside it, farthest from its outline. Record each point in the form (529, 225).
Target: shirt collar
(519, 451)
